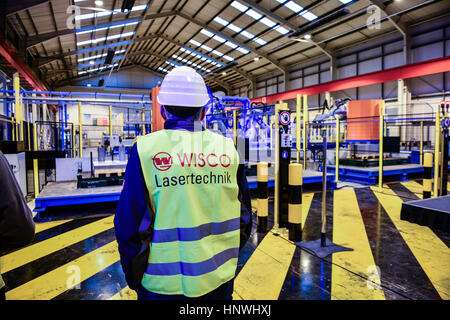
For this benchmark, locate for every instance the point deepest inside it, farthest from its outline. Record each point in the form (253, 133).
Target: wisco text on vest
(164, 161)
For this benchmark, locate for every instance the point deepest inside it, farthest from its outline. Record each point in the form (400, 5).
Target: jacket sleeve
(133, 222)
(16, 218)
(246, 206)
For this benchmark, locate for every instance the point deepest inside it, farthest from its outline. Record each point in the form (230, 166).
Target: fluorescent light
(239, 6)
(228, 58)
(98, 3)
(345, 1)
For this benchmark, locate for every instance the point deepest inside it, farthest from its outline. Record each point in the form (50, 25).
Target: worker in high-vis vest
(184, 211)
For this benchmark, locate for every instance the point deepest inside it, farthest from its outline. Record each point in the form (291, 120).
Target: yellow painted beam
(41, 226)
(263, 275)
(61, 279)
(306, 204)
(38, 250)
(349, 231)
(432, 254)
(125, 294)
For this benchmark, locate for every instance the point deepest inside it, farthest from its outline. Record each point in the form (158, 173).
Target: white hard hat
(183, 87)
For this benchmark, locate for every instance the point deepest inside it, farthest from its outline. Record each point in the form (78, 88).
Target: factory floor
(391, 258)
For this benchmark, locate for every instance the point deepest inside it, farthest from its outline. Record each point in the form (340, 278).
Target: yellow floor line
(306, 204)
(414, 187)
(125, 294)
(41, 226)
(431, 253)
(263, 275)
(61, 279)
(349, 231)
(38, 250)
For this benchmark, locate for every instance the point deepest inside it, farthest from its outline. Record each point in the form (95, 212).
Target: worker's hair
(183, 112)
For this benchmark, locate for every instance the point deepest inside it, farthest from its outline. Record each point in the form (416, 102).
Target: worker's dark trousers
(2, 294)
(224, 292)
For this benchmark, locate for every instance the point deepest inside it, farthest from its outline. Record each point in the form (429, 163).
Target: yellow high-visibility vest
(192, 184)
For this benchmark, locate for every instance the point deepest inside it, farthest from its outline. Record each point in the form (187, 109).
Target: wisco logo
(162, 161)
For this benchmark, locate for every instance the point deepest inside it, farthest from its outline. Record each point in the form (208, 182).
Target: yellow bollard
(427, 175)
(295, 202)
(262, 178)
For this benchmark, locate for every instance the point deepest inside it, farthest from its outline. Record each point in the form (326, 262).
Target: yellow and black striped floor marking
(392, 259)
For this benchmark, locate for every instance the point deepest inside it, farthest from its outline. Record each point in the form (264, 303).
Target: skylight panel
(219, 39)
(116, 36)
(234, 27)
(247, 34)
(109, 27)
(207, 33)
(92, 58)
(205, 47)
(267, 22)
(217, 53)
(239, 6)
(294, 6)
(221, 21)
(260, 41)
(195, 43)
(255, 15)
(309, 16)
(107, 13)
(244, 51)
(281, 29)
(231, 44)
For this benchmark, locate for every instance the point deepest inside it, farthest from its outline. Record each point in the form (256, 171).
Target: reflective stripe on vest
(191, 178)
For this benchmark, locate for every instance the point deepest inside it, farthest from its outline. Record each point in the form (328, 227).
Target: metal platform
(433, 212)
(369, 175)
(57, 194)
